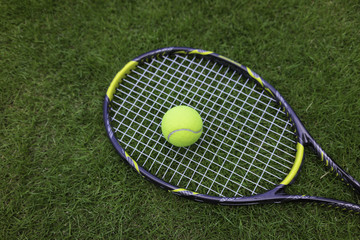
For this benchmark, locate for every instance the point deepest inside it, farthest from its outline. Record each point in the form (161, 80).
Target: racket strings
(248, 96)
(246, 118)
(149, 137)
(234, 135)
(257, 99)
(179, 163)
(233, 157)
(257, 116)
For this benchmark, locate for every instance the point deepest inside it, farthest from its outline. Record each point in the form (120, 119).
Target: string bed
(247, 145)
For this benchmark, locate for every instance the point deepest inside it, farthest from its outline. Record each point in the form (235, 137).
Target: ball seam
(182, 129)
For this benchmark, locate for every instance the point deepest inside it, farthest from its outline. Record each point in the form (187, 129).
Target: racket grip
(330, 164)
(345, 206)
(326, 202)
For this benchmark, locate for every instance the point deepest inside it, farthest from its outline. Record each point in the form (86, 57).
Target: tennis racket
(252, 145)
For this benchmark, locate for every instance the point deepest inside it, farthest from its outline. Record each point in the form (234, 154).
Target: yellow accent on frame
(135, 163)
(270, 92)
(183, 52)
(119, 76)
(257, 78)
(202, 53)
(295, 168)
(229, 60)
(183, 190)
(195, 52)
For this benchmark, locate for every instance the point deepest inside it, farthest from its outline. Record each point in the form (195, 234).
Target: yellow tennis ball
(181, 126)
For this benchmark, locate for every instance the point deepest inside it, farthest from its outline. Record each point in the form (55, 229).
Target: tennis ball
(181, 126)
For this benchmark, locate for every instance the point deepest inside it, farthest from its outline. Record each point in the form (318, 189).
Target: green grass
(60, 178)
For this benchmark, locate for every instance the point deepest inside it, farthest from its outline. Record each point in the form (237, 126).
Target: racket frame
(275, 195)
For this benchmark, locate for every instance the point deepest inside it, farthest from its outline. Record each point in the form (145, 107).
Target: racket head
(167, 62)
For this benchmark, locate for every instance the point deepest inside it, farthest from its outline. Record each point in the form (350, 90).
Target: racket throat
(275, 195)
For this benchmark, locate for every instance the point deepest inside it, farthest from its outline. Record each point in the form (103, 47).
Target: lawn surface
(60, 177)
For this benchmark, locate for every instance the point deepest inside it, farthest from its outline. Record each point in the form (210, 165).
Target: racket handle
(346, 206)
(330, 164)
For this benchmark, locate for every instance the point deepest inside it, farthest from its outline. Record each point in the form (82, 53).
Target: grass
(60, 178)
